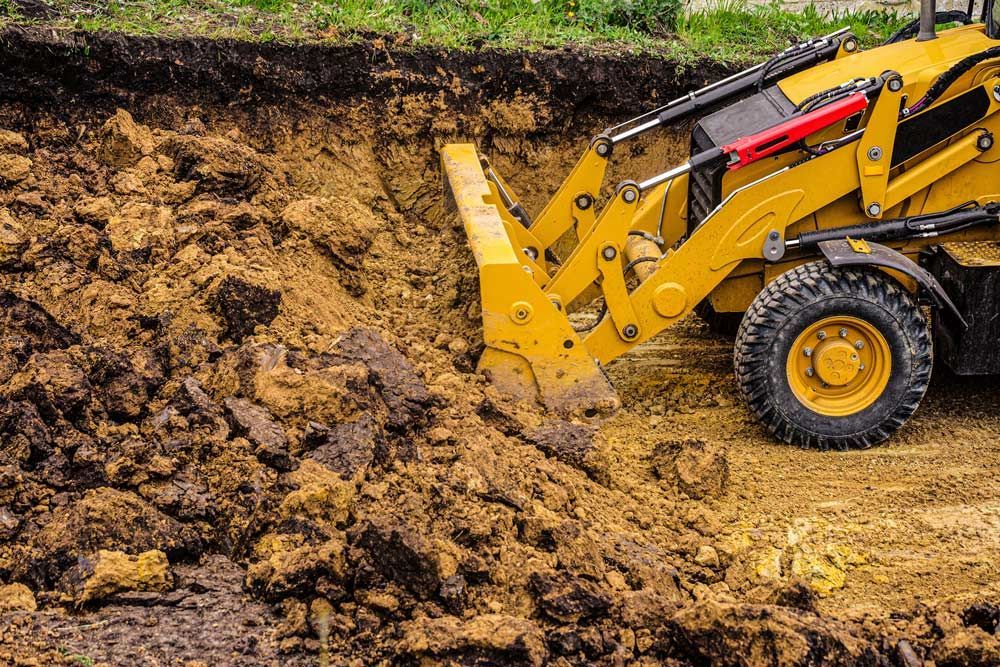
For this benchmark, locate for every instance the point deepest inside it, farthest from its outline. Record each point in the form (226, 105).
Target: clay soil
(240, 422)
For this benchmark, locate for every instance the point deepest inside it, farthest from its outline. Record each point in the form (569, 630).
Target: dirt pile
(237, 408)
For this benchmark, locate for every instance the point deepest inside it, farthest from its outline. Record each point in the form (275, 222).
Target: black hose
(604, 305)
(944, 81)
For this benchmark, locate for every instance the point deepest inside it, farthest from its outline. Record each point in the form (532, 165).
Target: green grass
(730, 31)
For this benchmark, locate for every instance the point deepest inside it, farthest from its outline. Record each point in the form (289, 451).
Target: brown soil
(239, 422)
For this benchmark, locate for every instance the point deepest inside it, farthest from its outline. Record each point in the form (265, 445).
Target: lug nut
(821, 335)
(810, 372)
(861, 367)
(808, 352)
(843, 333)
(860, 345)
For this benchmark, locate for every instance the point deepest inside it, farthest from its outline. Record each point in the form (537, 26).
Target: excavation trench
(238, 406)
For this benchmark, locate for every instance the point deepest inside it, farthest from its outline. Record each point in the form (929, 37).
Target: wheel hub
(839, 366)
(836, 362)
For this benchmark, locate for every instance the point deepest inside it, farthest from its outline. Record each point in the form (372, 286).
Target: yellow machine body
(532, 350)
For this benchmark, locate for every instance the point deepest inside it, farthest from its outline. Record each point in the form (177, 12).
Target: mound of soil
(239, 422)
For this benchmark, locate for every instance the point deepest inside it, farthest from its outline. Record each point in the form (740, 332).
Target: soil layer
(240, 423)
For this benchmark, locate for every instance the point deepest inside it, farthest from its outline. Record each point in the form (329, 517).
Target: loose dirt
(240, 424)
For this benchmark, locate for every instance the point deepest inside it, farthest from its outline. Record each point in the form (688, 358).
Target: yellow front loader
(831, 192)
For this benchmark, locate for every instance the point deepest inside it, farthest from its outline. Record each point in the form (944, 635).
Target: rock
(578, 445)
(300, 570)
(26, 319)
(403, 555)
(256, 424)
(339, 226)
(707, 556)
(122, 142)
(106, 573)
(54, 383)
(12, 142)
(243, 306)
(965, 647)
(569, 599)
(94, 211)
(14, 240)
(796, 594)
(347, 448)
(824, 570)
(107, 519)
(140, 226)
(16, 597)
(14, 168)
(217, 165)
(489, 639)
(700, 469)
(746, 635)
(322, 496)
(983, 615)
(404, 393)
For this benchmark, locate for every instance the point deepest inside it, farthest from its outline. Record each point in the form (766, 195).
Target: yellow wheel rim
(839, 366)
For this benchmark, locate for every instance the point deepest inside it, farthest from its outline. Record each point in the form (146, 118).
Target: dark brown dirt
(239, 422)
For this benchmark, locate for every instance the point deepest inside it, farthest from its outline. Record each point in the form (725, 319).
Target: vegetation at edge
(730, 30)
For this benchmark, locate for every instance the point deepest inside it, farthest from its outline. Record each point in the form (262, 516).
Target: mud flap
(532, 352)
(843, 253)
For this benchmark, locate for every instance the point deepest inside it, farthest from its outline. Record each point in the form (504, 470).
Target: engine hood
(918, 62)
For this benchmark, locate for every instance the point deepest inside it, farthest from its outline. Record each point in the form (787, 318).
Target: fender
(849, 252)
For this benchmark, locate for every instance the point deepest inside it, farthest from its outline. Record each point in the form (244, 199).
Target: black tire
(802, 297)
(724, 324)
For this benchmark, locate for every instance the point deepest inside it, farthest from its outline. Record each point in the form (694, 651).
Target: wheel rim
(839, 366)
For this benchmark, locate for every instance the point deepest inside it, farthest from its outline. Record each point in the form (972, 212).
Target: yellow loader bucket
(532, 351)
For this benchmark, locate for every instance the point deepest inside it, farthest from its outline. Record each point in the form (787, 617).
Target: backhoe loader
(840, 203)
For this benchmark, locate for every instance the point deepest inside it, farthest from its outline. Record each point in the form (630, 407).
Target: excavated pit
(239, 422)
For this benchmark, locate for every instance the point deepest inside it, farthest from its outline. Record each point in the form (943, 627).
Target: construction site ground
(240, 421)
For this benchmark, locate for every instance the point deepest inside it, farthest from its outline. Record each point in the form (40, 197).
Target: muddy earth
(240, 423)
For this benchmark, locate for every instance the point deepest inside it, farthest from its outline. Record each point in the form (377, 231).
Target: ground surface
(239, 422)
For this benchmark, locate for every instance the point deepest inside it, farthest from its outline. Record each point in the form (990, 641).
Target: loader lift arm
(531, 347)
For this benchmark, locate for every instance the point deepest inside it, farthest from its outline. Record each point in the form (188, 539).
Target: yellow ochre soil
(239, 424)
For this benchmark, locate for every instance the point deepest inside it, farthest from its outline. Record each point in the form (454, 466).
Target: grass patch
(730, 31)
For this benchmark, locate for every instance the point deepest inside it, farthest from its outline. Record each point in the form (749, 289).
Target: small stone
(106, 573)
(16, 597)
(12, 142)
(439, 435)
(122, 141)
(616, 580)
(458, 346)
(14, 168)
(707, 557)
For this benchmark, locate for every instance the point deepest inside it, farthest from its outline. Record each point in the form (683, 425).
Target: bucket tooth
(532, 351)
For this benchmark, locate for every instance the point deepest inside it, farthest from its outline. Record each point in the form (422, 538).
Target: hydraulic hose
(948, 77)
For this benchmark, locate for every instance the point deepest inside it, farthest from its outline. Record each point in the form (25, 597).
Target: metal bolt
(630, 331)
(609, 253)
(808, 352)
(824, 385)
(821, 335)
(874, 209)
(895, 84)
(603, 149)
(861, 367)
(583, 202)
(810, 372)
(985, 142)
(531, 252)
(630, 195)
(850, 45)
(996, 93)
(774, 235)
(843, 333)
(874, 153)
(859, 345)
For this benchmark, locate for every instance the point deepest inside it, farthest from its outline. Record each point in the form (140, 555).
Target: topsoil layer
(239, 421)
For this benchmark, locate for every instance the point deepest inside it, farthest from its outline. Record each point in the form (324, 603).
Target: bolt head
(843, 333)
(808, 352)
(609, 253)
(860, 345)
(861, 367)
(629, 195)
(821, 335)
(874, 209)
(874, 153)
(895, 85)
(810, 372)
